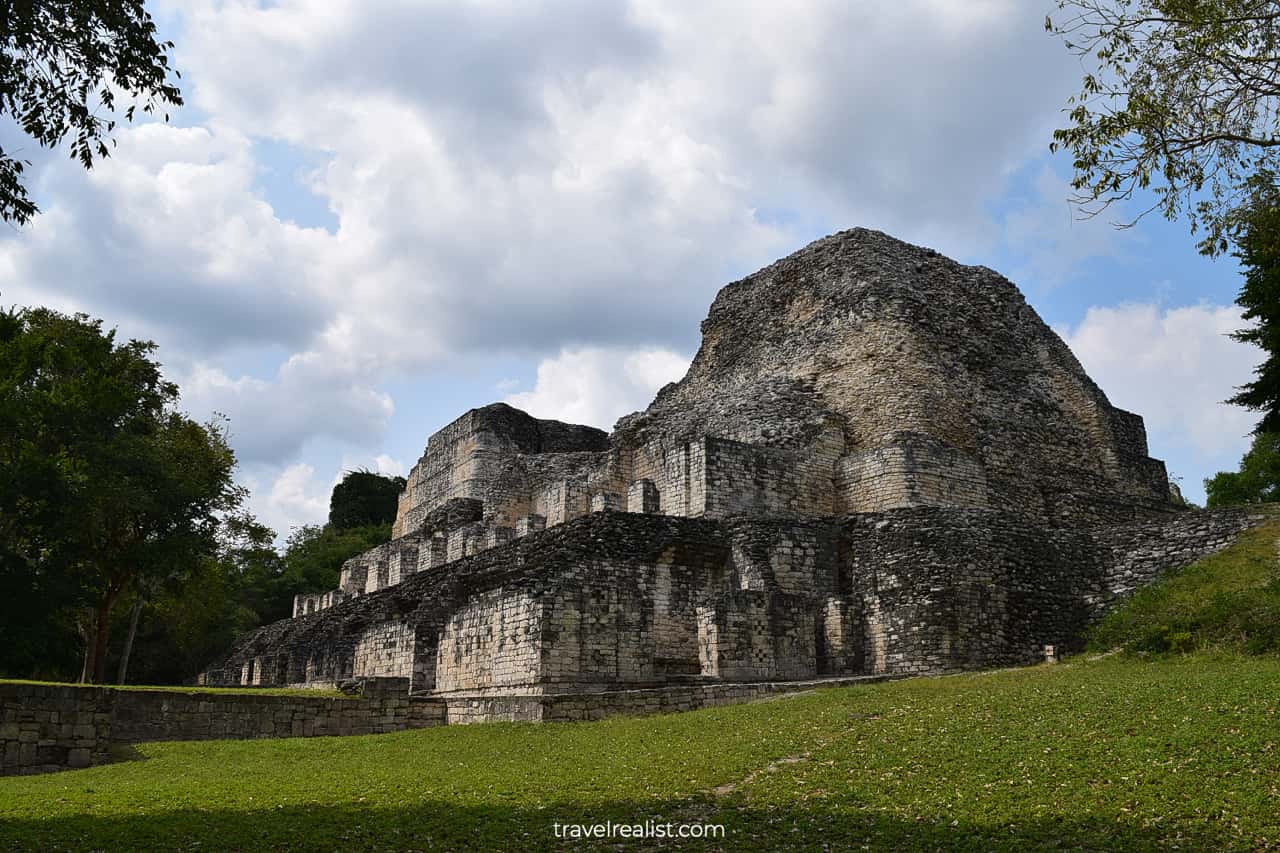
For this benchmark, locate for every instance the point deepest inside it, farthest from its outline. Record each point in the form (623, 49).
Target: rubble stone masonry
(880, 463)
(46, 727)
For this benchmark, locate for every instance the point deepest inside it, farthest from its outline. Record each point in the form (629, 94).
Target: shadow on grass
(435, 825)
(121, 752)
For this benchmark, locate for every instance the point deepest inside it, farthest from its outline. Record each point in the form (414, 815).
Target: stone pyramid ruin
(880, 462)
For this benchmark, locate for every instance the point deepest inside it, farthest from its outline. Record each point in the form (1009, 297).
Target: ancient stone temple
(880, 462)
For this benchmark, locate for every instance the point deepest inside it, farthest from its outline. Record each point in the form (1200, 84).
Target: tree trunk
(88, 645)
(128, 640)
(100, 637)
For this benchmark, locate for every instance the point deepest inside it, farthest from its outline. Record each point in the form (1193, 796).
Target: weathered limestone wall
(491, 641)
(629, 621)
(1136, 555)
(744, 478)
(555, 486)
(886, 339)
(353, 575)
(464, 611)
(615, 600)
(56, 727)
(629, 702)
(45, 727)
(912, 471)
(457, 464)
(160, 715)
(783, 612)
(467, 458)
(944, 589)
(677, 471)
(758, 636)
(385, 651)
(674, 606)
(402, 557)
(452, 525)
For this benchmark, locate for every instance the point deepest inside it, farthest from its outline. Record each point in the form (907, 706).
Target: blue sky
(370, 217)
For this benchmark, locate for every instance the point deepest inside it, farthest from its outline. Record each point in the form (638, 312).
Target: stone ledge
(464, 707)
(54, 727)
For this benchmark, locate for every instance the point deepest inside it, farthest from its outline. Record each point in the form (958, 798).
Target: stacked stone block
(880, 461)
(46, 727)
(385, 651)
(913, 471)
(492, 641)
(496, 536)
(603, 501)
(402, 560)
(527, 524)
(906, 591)
(642, 496)
(56, 727)
(433, 553)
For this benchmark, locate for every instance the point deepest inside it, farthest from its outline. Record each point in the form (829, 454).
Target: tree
(314, 556)
(364, 498)
(152, 511)
(63, 60)
(1255, 230)
(188, 619)
(1257, 481)
(63, 385)
(102, 483)
(1179, 96)
(362, 508)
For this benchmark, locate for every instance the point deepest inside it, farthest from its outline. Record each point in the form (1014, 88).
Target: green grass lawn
(1123, 751)
(1181, 752)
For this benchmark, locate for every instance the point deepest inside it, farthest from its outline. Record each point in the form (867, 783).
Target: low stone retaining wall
(54, 727)
(567, 707)
(57, 727)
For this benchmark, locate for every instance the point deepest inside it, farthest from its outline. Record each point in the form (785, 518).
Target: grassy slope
(1228, 600)
(1114, 753)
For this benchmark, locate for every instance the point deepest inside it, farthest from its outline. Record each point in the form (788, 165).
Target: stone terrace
(880, 462)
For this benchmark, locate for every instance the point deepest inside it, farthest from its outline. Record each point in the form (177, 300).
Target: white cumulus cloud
(1175, 367)
(272, 420)
(597, 385)
(567, 182)
(296, 496)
